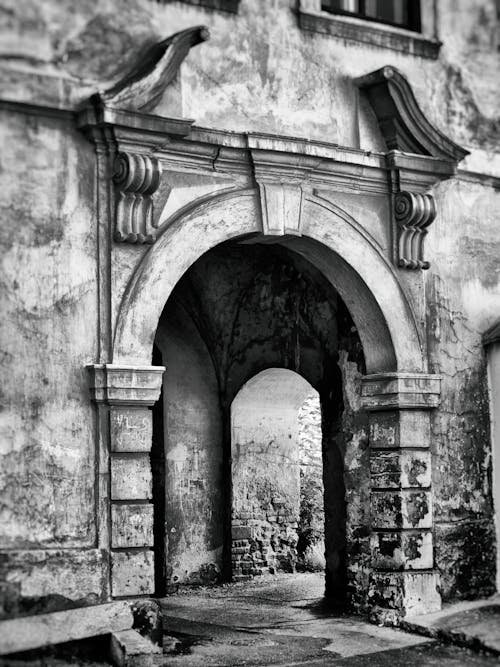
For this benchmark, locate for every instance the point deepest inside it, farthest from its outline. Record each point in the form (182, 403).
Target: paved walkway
(280, 620)
(473, 624)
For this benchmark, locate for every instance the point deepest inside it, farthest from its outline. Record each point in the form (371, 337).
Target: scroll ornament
(137, 178)
(413, 213)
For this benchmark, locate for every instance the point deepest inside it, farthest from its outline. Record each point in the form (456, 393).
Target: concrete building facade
(196, 192)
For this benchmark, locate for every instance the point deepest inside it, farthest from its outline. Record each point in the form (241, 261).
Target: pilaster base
(405, 593)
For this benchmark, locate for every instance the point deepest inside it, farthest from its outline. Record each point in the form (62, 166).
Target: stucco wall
(49, 313)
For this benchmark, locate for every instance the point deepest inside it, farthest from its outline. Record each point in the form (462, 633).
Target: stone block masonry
(126, 393)
(401, 496)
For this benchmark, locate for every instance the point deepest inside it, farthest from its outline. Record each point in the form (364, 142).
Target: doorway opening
(251, 478)
(277, 519)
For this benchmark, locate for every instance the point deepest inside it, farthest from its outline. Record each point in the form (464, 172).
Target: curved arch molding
(333, 243)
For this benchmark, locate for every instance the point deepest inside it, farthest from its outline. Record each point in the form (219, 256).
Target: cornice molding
(403, 124)
(390, 391)
(130, 129)
(113, 384)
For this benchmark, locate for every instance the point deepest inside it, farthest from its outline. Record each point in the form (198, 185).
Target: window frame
(414, 15)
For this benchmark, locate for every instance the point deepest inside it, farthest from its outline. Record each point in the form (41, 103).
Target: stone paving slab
(473, 624)
(282, 621)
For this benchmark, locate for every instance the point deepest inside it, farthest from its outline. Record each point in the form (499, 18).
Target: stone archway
(337, 245)
(395, 569)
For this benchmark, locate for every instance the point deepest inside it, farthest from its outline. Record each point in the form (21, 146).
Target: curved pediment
(142, 87)
(402, 122)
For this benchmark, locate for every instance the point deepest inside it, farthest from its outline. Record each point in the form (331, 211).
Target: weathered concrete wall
(48, 299)
(193, 453)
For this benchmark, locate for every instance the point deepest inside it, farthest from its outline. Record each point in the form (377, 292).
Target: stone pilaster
(403, 579)
(127, 392)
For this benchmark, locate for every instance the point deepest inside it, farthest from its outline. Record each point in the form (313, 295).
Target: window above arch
(400, 13)
(407, 26)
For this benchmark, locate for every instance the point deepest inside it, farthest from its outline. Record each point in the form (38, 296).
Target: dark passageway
(229, 500)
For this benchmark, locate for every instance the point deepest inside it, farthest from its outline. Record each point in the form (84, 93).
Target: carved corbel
(413, 212)
(136, 178)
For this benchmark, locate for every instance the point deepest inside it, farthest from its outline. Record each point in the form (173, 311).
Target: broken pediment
(143, 86)
(402, 122)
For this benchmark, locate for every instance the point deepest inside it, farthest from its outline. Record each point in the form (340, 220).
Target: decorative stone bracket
(419, 155)
(127, 392)
(403, 580)
(136, 178)
(120, 118)
(413, 214)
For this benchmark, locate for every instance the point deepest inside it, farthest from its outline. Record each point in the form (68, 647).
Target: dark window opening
(401, 13)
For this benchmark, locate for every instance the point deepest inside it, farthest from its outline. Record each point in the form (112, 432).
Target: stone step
(130, 649)
(32, 632)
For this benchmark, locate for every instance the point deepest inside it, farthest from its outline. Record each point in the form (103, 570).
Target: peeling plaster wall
(463, 289)
(48, 296)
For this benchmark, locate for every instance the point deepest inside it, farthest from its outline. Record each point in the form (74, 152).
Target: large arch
(394, 566)
(331, 240)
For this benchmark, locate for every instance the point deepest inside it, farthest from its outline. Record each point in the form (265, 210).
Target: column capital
(113, 384)
(390, 391)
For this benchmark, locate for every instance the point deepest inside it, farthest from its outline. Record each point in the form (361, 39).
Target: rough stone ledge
(463, 624)
(32, 632)
(389, 391)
